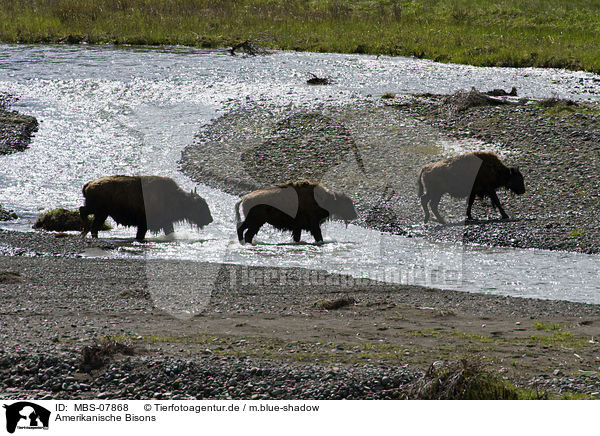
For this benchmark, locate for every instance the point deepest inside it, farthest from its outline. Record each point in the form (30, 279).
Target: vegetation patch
(334, 304)
(62, 220)
(465, 379)
(576, 233)
(7, 215)
(559, 338)
(556, 102)
(518, 33)
(539, 325)
(554, 107)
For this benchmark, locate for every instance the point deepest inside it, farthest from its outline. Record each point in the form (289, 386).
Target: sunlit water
(106, 110)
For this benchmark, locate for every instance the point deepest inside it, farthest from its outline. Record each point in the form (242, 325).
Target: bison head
(515, 181)
(197, 210)
(341, 207)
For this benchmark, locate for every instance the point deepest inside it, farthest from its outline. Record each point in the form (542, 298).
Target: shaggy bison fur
(293, 206)
(471, 175)
(148, 202)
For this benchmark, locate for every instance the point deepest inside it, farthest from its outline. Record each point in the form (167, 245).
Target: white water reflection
(106, 110)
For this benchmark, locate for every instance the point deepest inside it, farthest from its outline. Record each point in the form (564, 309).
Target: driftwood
(463, 100)
(502, 92)
(251, 48)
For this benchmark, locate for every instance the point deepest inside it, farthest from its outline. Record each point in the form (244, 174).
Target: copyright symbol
(147, 407)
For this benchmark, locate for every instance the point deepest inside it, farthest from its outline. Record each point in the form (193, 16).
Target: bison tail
(84, 188)
(238, 219)
(420, 184)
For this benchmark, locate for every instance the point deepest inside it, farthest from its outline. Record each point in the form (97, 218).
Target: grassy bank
(552, 33)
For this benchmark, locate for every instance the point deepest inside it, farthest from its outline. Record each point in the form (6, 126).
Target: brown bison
(471, 175)
(148, 202)
(293, 206)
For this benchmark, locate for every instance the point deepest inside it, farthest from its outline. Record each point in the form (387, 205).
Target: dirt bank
(16, 129)
(221, 331)
(373, 150)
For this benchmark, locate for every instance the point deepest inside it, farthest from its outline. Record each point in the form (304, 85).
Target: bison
(148, 202)
(477, 174)
(293, 206)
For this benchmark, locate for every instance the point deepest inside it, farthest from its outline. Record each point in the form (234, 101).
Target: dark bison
(477, 174)
(293, 206)
(148, 202)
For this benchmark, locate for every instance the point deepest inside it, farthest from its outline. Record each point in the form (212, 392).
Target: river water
(120, 110)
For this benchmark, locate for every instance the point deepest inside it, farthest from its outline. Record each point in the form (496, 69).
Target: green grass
(543, 326)
(545, 33)
(559, 338)
(63, 220)
(467, 379)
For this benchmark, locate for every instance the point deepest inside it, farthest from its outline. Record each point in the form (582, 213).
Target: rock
(16, 130)
(7, 215)
(62, 220)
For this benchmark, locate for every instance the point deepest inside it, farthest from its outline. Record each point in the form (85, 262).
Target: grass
(543, 326)
(543, 33)
(558, 338)
(466, 379)
(466, 375)
(63, 220)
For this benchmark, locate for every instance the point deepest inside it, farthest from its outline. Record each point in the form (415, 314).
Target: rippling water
(107, 110)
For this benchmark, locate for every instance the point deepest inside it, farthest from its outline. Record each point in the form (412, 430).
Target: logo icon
(26, 415)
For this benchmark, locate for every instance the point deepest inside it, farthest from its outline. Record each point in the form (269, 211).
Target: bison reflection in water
(477, 174)
(148, 202)
(293, 206)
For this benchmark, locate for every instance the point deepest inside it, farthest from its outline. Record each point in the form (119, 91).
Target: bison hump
(283, 198)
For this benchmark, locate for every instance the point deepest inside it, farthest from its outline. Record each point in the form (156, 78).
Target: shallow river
(107, 110)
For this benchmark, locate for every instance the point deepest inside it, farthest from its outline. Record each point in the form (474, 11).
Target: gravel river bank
(115, 319)
(266, 332)
(373, 150)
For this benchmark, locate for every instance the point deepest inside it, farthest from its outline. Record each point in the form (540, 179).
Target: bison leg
(296, 233)
(85, 223)
(496, 203)
(252, 231)
(434, 208)
(253, 222)
(141, 232)
(470, 206)
(240, 230)
(99, 219)
(316, 232)
(168, 229)
(424, 201)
